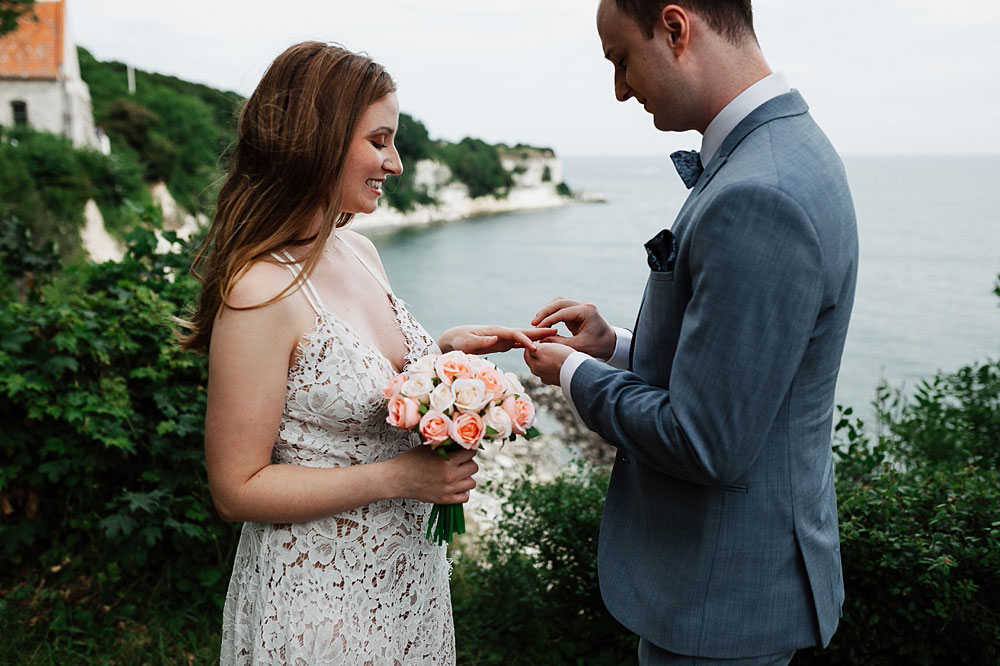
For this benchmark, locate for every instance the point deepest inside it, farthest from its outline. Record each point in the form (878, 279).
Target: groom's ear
(674, 26)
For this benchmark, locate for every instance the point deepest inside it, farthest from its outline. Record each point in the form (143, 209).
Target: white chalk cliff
(536, 175)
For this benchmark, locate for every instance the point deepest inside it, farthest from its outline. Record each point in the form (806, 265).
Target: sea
(928, 227)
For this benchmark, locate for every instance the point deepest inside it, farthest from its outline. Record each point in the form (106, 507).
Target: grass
(42, 625)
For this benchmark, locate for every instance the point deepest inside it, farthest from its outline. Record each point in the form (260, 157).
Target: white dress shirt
(725, 122)
(739, 108)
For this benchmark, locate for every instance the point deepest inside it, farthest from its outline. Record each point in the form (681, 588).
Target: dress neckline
(313, 297)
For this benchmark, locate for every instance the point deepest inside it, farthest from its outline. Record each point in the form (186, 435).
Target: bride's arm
(248, 365)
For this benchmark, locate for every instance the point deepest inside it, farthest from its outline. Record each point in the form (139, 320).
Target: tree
(11, 12)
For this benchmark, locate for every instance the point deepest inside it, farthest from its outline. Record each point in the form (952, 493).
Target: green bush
(102, 475)
(920, 532)
(24, 264)
(413, 144)
(45, 182)
(56, 176)
(477, 164)
(533, 580)
(921, 561)
(412, 140)
(177, 129)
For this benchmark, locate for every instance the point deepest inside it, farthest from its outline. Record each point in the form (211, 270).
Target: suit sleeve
(755, 263)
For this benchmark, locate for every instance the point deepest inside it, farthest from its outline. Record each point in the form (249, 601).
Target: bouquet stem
(445, 520)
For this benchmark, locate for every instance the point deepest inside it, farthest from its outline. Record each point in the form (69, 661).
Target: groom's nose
(622, 90)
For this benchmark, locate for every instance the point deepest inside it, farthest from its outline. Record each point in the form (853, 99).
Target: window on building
(20, 113)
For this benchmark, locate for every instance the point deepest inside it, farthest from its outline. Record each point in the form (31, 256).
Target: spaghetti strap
(367, 268)
(309, 291)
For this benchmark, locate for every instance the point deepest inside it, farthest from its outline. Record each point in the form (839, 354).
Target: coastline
(537, 179)
(454, 204)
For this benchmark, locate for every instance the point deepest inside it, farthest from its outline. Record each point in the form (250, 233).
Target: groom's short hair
(731, 18)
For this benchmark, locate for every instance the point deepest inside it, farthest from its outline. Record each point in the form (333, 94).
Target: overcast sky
(880, 76)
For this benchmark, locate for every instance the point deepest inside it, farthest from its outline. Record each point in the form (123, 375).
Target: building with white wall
(40, 82)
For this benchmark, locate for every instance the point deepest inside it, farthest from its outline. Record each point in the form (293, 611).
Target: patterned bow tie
(688, 166)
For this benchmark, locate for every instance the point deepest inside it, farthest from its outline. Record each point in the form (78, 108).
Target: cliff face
(101, 246)
(536, 174)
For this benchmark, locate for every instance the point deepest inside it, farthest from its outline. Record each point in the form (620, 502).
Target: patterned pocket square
(661, 252)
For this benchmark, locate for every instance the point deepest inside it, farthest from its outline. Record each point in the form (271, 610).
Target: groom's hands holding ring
(590, 333)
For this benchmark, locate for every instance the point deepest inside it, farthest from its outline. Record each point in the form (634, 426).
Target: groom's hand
(590, 332)
(546, 360)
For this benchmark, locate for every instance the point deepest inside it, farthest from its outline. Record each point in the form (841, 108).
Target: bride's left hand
(488, 339)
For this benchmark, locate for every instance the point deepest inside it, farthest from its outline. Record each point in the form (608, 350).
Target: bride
(302, 332)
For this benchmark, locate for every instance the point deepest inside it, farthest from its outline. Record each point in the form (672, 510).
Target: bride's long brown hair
(291, 144)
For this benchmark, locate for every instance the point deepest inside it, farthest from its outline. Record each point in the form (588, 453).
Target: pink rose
(434, 428)
(493, 380)
(453, 365)
(403, 412)
(393, 387)
(467, 429)
(521, 411)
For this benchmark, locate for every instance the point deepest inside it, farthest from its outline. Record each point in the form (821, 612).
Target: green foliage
(562, 189)
(24, 264)
(136, 125)
(101, 466)
(477, 164)
(546, 174)
(148, 624)
(920, 533)
(47, 173)
(412, 140)
(45, 182)
(413, 144)
(12, 12)
(177, 129)
(535, 578)
(952, 419)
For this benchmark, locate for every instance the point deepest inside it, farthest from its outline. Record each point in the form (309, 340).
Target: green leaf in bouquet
(491, 431)
(423, 409)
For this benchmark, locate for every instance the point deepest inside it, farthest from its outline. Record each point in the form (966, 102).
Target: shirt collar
(739, 108)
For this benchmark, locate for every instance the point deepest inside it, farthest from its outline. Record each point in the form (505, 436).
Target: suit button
(624, 458)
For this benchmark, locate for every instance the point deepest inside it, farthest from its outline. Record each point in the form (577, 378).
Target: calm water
(930, 252)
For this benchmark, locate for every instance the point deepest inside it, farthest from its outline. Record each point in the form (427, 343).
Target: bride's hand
(488, 339)
(421, 474)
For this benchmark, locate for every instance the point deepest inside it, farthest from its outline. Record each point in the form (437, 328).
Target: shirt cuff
(569, 366)
(623, 343)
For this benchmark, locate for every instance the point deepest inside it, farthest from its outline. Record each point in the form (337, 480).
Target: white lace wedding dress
(364, 586)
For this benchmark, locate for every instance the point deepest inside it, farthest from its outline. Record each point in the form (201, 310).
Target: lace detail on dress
(361, 587)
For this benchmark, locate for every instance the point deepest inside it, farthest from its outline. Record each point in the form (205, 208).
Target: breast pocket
(661, 276)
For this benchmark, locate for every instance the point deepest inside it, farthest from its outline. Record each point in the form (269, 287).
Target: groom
(719, 536)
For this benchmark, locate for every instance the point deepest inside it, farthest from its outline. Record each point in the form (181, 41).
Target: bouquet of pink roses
(458, 400)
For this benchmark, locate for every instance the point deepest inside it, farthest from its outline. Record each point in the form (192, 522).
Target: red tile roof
(35, 49)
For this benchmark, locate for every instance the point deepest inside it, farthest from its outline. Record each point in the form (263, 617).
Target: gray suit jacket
(719, 536)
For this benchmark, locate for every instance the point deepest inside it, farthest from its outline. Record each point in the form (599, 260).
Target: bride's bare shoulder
(358, 241)
(261, 282)
(364, 247)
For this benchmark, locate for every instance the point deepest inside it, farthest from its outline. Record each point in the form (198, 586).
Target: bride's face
(371, 156)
